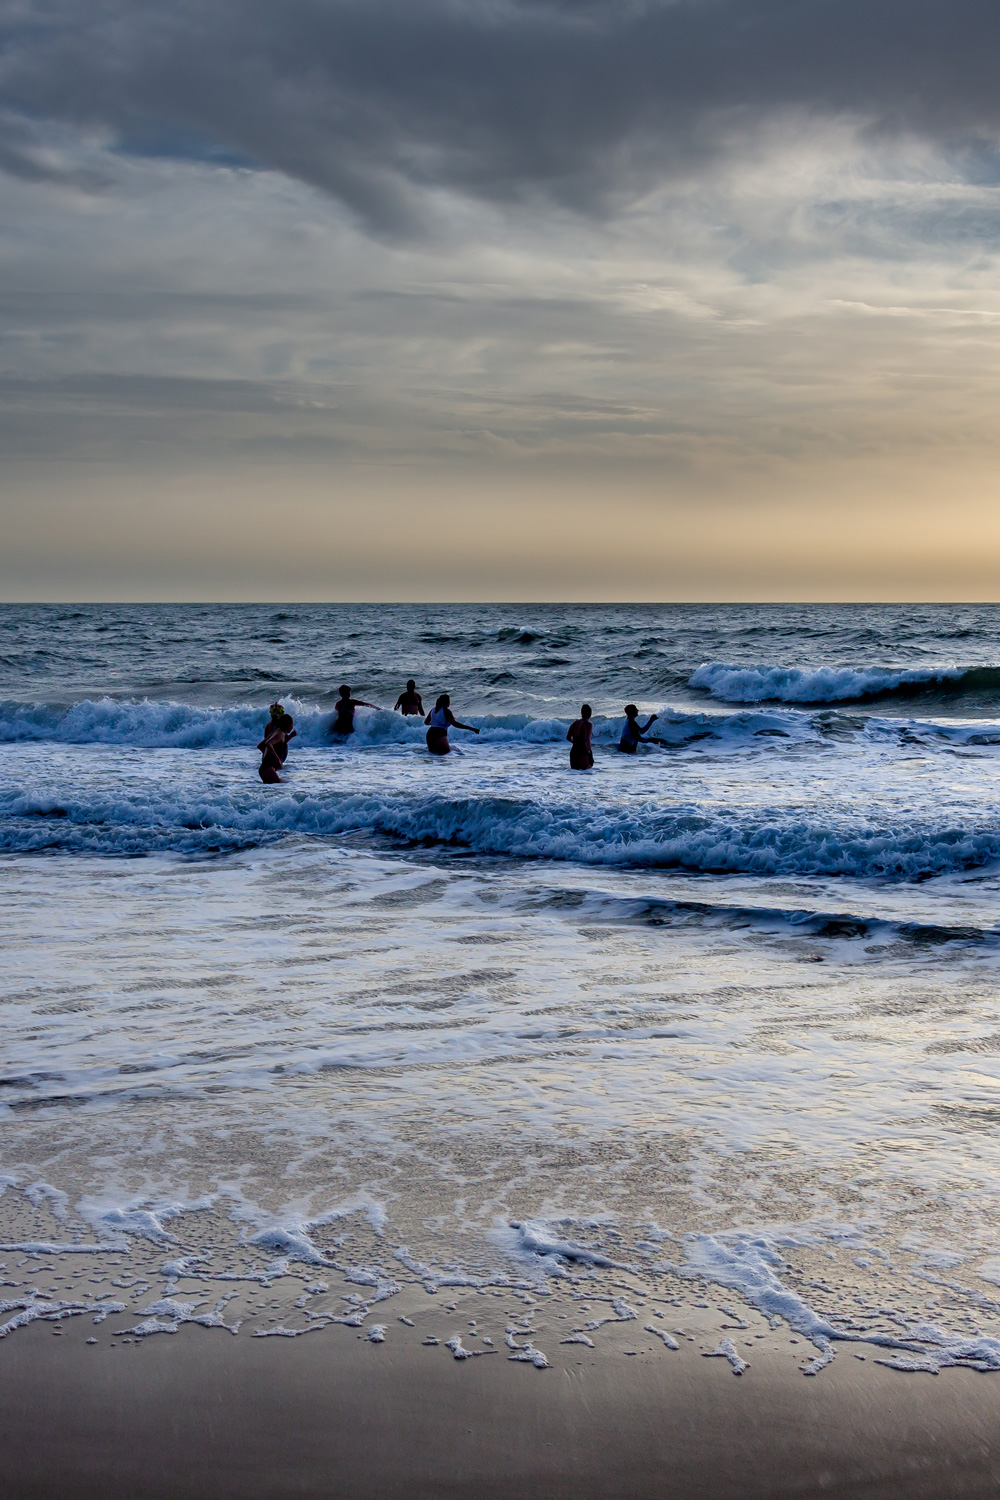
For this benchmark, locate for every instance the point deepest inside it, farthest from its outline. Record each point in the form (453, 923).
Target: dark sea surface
(499, 659)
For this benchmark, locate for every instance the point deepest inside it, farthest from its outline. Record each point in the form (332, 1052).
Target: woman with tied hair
(277, 712)
(579, 734)
(440, 720)
(278, 731)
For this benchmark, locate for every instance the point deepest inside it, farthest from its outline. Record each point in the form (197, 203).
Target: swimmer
(579, 734)
(344, 708)
(440, 720)
(634, 733)
(409, 700)
(271, 746)
(281, 748)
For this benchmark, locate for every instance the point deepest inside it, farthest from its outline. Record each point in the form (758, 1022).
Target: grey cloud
(23, 155)
(584, 104)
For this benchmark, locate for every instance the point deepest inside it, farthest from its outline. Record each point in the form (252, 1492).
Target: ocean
(719, 1020)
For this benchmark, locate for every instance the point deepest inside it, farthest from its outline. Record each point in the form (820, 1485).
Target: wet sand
(205, 1416)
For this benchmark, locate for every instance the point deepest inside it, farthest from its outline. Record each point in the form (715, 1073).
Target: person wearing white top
(440, 720)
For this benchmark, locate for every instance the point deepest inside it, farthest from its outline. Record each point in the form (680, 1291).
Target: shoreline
(199, 1416)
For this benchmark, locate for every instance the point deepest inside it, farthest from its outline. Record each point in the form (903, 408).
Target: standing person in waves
(281, 746)
(409, 700)
(579, 734)
(634, 733)
(440, 720)
(272, 746)
(343, 723)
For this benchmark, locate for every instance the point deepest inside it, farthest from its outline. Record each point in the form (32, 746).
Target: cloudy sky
(458, 299)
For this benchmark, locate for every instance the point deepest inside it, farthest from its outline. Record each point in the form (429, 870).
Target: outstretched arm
(456, 724)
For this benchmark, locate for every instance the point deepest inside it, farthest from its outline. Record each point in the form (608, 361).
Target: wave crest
(764, 684)
(753, 842)
(154, 724)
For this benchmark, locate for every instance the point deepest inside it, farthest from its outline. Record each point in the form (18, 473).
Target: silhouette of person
(634, 733)
(409, 700)
(579, 734)
(344, 707)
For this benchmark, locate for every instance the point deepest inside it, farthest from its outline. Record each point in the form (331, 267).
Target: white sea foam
(750, 840)
(749, 1264)
(536, 1244)
(155, 724)
(726, 1349)
(291, 1244)
(152, 724)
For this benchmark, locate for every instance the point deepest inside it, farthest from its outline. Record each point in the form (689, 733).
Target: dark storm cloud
(373, 101)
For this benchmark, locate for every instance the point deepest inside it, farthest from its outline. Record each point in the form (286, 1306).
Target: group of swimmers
(281, 729)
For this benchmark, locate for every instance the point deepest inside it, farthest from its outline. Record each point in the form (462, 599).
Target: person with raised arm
(409, 701)
(343, 723)
(281, 746)
(579, 734)
(634, 733)
(271, 746)
(441, 719)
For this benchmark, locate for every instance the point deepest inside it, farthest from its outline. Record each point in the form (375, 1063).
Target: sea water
(718, 1020)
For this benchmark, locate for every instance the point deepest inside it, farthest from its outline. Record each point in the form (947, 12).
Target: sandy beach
(200, 1416)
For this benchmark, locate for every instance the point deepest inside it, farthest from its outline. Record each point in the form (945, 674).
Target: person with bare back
(579, 734)
(441, 719)
(409, 700)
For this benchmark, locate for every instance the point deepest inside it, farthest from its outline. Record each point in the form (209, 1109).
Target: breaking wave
(751, 841)
(764, 684)
(151, 724)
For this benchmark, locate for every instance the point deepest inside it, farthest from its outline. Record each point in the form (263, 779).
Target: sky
(482, 299)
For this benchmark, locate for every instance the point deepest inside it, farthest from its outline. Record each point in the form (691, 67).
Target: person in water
(271, 746)
(579, 734)
(344, 710)
(409, 700)
(634, 733)
(281, 748)
(440, 720)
